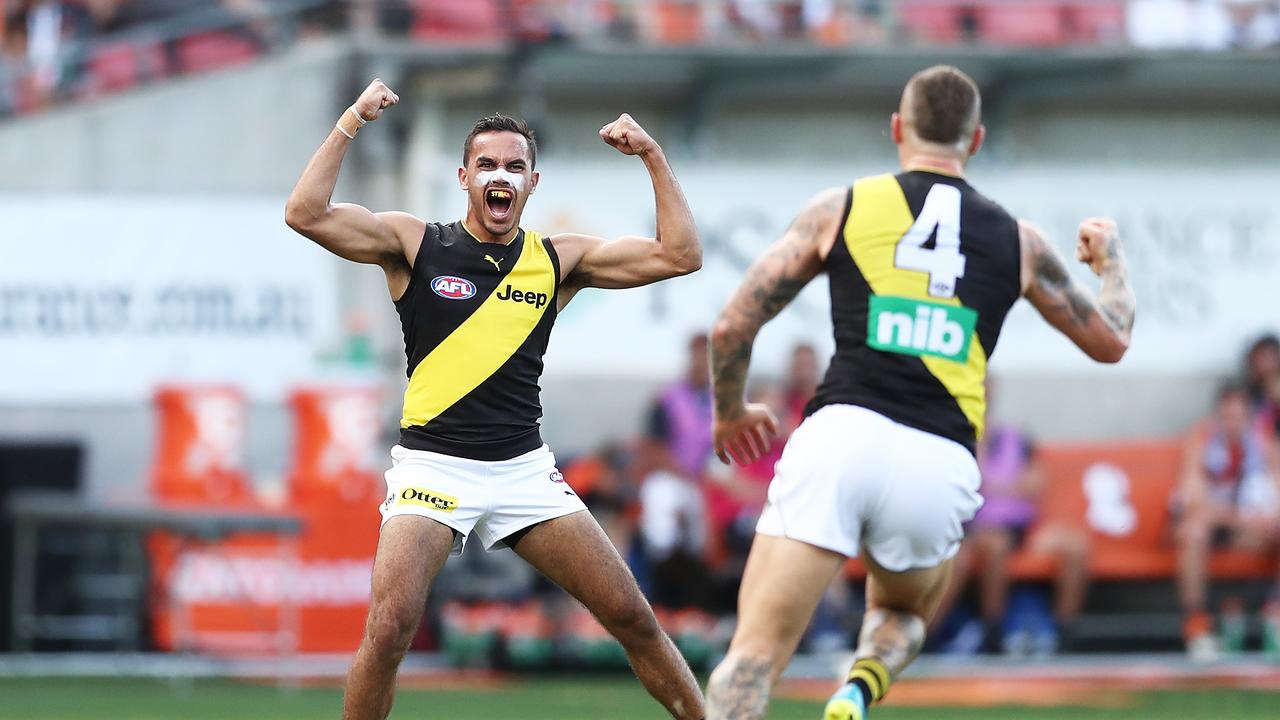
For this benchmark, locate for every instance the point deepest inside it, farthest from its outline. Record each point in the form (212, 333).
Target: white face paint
(484, 177)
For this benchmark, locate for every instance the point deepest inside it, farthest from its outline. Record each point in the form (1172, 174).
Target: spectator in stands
(735, 496)
(803, 375)
(1228, 497)
(600, 479)
(1013, 482)
(1254, 23)
(675, 453)
(1262, 376)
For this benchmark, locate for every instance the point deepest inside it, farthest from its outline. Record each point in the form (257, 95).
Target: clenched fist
(1099, 244)
(627, 136)
(375, 98)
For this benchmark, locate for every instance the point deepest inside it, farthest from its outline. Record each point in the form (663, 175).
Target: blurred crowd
(684, 521)
(1229, 498)
(65, 49)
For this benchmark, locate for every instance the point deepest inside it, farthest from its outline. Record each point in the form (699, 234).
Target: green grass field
(546, 699)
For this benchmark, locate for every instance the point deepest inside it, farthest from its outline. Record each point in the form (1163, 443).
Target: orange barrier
(1120, 493)
(199, 451)
(334, 447)
(257, 592)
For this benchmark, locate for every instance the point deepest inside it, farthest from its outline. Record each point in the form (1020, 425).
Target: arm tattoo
(1114, 305)
(771, 284)
(739, 689)
(1115, 297)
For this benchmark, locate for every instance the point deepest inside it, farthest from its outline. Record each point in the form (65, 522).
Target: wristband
(350, 122)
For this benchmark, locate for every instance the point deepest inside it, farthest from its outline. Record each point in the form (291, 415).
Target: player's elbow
(688, 262)
(724, 332)
(682, 258)
(298, 216)
(1110, 351)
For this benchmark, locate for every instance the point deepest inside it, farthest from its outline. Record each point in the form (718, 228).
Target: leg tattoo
(739, 689)
(889, 641)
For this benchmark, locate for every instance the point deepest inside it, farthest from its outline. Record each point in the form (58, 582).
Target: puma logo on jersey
(913, 327)
(496, 263)
(523, 296)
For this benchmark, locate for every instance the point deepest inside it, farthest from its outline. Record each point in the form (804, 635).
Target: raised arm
(632, 261)
(350, 231)
(742, 431)
(1100, 326)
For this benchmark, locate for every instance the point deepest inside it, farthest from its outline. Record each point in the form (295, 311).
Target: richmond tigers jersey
(922, 275)
(477, 318)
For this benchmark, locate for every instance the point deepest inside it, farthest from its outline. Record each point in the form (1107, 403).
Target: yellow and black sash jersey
(477, 318)
(922, 275)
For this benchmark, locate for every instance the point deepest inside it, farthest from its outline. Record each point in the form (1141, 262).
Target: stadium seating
(1120, 493)
(121, 66)
(1022, 24)
(212, 50)
(931, 21)
(458, 21)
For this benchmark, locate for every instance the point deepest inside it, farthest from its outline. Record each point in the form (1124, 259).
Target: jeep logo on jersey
(452, 287)
(913, 327)
(428, 499)
(535, 299)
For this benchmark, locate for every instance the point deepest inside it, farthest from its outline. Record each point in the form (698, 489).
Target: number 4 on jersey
(943, 262)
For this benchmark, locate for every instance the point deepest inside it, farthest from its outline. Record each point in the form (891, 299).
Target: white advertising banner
(1203, 246)
(102, 298)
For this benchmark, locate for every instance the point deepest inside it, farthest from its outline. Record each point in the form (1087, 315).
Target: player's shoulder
(827, 205)
(403, 223)
(569, 248)
(569, 243)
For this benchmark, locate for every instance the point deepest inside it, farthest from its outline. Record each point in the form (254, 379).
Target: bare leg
(994, 546)
(411, 551)
(576, 555)
(1070, 547)
(1193, 558)
(961, 568)
(781, 587)
(899, 606)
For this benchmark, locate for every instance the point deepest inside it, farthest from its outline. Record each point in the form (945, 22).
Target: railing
(78, 59)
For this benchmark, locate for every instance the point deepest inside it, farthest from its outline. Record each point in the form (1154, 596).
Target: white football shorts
(494, 499)
(852, 478)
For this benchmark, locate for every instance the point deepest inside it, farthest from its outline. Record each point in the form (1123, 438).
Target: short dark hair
(1266, 342)
(501, 123)
(1231, 388)
(946, 106)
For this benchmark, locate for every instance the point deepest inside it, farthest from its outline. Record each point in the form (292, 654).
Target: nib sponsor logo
(914, 327)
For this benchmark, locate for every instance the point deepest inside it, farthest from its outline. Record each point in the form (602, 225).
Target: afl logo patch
(452, 287)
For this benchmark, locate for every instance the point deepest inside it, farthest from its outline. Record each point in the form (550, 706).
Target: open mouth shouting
(499, 202)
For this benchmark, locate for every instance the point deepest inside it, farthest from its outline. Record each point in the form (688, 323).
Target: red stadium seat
(212, 50)
(1096, 21)
(934, 21)
(119, 67)
(678, 23)
(1023, 24)
(459, 21)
